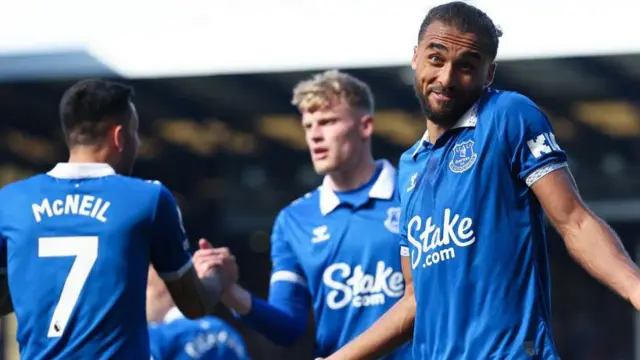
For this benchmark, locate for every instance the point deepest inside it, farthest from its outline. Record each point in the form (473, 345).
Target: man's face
(451, 71)
(130, 143)
(334, 134)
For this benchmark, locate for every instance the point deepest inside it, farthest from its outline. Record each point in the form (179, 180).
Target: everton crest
(463, 157)
(392, 223)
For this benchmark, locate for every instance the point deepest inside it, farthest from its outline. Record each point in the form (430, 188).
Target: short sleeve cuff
(404, 251)
(542, 171)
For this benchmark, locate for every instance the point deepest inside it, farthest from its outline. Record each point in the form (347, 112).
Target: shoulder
(217, 324)
(499, 101)
(22, 187)
(305, 204)
(153, 189)
(506, 108)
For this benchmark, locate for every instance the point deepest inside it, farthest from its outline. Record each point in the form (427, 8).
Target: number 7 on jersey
(85, 251)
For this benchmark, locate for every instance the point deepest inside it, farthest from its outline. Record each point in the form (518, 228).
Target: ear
(117, 137)
(491, 74)
(366, 125)
(414, 59)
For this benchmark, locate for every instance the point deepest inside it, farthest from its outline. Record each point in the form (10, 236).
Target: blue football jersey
(474, 232)
(208, 338)
(79, 241)
(342, 248)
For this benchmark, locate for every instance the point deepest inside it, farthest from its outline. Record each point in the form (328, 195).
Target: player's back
(208, 338)
(78, 256)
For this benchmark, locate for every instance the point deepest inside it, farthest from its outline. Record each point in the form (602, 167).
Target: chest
(347, 237)
(458, 173)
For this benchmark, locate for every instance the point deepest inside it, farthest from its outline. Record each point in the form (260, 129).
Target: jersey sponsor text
(437, 244)
(355, 287)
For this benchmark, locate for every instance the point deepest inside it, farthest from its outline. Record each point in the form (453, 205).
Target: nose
(315, 133)
(447, 76)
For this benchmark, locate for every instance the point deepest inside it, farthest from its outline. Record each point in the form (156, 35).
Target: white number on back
(85, 250)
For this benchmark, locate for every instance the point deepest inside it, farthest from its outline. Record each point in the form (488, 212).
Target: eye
(327, 121)
(467, 66)
(436, 59)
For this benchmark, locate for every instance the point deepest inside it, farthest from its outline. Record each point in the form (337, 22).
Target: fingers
(204, 244)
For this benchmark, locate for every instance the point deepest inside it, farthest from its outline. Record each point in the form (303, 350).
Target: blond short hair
(323, 89)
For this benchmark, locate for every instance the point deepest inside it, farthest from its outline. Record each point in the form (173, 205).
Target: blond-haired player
(335, 248)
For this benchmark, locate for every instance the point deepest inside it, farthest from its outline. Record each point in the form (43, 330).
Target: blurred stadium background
(213, 83)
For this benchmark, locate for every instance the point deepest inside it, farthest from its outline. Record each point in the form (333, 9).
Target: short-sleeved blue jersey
(342, 248)
(474, 232)
(208, 338)
(79, 241)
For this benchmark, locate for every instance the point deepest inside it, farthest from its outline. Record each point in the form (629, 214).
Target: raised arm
(284, 317)
(589, 240)
(195, 297)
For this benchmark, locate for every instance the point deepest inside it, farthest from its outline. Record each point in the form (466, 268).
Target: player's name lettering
(204, 342)
(359, 288)
(84, 205)
(437, 243)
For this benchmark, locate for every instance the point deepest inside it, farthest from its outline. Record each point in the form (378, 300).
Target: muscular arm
(392, 330)
(589, 240)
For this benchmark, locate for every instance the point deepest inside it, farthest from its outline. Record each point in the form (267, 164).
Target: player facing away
(174, 337)
(335, 247)
(79, 239)
(474, 191)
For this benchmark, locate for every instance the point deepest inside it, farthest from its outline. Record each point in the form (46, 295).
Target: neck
(88, 154)
(435, 130)
(354, 174)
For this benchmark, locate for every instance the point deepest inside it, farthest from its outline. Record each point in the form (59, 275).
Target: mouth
(438, 96)
(320, 153)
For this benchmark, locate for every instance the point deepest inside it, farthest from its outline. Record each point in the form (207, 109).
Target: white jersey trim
(383, 188)
(288, 276)
(174, 275)
(542, 171)
(81, 170)
(404, 251)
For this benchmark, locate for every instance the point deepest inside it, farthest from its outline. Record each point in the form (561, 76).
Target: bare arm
(589, 240)
(392, 330)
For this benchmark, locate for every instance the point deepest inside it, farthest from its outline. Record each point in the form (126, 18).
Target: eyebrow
(437, 46)
(470, 53)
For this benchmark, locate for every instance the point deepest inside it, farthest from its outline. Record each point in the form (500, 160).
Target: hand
(634, 299)
(209, 261)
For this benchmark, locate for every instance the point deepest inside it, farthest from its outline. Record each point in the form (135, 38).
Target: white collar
(468, 119)
(172, 314)
(382, 189)
(81, 170)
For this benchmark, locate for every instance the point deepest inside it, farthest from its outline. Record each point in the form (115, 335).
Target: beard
(451, 111)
